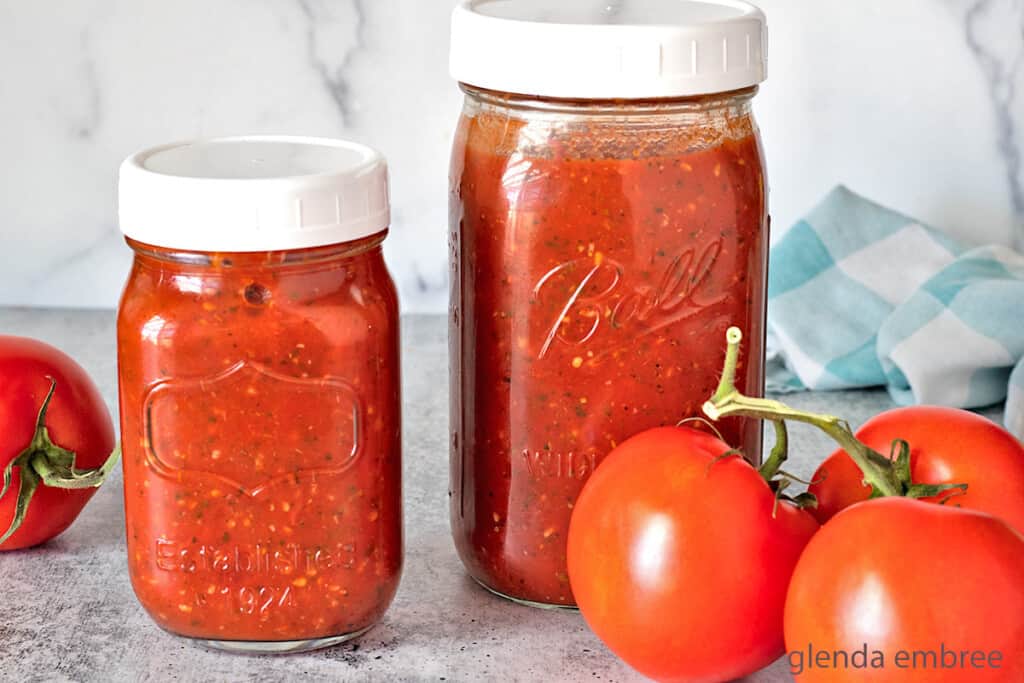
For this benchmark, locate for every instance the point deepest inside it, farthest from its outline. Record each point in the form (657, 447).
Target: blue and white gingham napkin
(861, 296)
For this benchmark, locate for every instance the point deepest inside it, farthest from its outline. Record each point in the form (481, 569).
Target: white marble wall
(917, 103)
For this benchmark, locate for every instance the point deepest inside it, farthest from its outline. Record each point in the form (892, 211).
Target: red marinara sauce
(601, 246)
(260, 405)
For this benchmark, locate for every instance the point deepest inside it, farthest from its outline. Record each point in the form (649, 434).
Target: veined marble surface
(918, 104)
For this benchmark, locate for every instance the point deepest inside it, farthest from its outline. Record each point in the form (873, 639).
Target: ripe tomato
(77, 421)
(947, 446)
(899, 575)
(679, 558)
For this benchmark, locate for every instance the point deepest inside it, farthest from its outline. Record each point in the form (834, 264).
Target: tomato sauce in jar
(259, 391)
(601, 248)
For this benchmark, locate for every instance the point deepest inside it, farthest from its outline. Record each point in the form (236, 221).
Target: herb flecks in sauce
(596, 266)
(262, 441)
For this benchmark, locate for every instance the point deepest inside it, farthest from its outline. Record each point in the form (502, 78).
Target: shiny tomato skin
(899, 574)
(677, 562)
(947, 446)
(77, 420)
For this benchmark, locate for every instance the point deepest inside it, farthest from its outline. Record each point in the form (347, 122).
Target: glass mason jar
(259, 392)
(606, 230)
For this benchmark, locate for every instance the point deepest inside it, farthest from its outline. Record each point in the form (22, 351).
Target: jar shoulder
(510, 125)
(336, 304)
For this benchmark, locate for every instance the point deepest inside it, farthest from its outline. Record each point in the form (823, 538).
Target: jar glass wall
(261, 430)
(600, 249)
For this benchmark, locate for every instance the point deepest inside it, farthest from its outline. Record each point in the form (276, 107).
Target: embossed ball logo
(280, 430)
(605, 310)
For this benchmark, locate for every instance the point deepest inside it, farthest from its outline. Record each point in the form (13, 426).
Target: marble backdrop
(916, 103)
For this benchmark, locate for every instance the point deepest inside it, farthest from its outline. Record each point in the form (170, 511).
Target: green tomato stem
(779, 454)
(44, 462)
(60, 476)
(727, 401)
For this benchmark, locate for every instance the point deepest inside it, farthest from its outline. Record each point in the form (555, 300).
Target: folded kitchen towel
(860, 295)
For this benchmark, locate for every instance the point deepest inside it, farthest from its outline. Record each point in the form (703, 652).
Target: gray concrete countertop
(68, 612)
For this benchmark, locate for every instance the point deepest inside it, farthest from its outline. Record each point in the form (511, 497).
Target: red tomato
(899, 575)
(679, 559)
(947, 446)
(77, 420)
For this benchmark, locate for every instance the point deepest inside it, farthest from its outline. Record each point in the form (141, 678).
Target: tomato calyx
(44, 462)
(899, 456)
(887, 476)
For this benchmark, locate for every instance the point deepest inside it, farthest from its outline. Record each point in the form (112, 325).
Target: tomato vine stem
(779, 454)
(879, 471)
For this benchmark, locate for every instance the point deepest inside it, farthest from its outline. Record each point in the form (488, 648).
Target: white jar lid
(247, 194)
(608, 49)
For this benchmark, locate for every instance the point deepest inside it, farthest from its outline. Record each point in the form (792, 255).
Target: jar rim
(611, 105)
(305, 255)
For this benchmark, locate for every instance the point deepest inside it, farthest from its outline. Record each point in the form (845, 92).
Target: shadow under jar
(259, 391)
(602, 243)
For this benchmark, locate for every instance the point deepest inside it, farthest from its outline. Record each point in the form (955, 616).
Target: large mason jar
(608, 224)
(259, 390)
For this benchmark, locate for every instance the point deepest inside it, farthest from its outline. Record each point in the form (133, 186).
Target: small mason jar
(608, 224)
(259, 391)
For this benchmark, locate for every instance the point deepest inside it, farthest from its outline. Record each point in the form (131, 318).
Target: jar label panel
(252, 428)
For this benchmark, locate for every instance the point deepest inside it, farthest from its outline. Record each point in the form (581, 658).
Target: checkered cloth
(860, 296)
